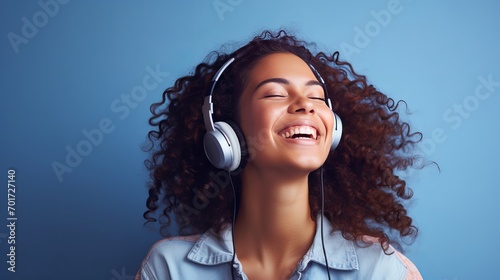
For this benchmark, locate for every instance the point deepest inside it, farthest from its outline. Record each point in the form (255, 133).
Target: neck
(274, 221)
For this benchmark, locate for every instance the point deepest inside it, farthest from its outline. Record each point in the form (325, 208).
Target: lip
(301, 122)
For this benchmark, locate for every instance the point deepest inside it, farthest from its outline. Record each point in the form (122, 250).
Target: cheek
(259, 119)
(257, 126)
(328, 120)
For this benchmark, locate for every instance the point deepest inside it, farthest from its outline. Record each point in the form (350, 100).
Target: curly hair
(364, 196)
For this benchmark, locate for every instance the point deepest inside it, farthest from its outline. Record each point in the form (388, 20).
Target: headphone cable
(321, 225)
(322, 214)
(232, 224)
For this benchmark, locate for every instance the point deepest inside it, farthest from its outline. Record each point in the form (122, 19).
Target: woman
(247, 159)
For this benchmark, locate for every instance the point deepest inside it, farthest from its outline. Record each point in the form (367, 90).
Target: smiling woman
(283, 98)
(252, 161)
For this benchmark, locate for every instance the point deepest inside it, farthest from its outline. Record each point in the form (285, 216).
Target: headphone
(224, 142)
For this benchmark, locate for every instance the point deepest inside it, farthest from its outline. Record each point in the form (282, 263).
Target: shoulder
(373, 259)
(412, 272)
(188, 257)
(177, 243)
(164, 255)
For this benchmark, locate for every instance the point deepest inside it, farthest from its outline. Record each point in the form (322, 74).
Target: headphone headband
(208, 106)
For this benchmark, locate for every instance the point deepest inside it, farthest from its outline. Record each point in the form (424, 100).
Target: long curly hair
(364, 196)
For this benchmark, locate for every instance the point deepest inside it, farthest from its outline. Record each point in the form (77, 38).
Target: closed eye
(317, 98)
(273, 95)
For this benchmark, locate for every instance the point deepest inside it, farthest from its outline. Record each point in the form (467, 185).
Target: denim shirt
(209, 258)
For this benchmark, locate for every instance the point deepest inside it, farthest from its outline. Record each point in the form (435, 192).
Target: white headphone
(224, 142)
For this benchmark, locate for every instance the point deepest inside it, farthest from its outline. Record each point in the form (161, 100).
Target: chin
(308, 164)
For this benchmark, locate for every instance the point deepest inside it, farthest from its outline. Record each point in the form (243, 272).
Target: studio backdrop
(77, 79)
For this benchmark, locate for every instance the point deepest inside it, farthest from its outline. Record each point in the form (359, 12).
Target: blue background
(85, 55)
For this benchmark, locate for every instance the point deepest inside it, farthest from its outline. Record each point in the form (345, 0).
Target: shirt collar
(341, 253)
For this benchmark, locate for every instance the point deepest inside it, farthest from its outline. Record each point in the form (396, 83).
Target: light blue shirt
(208, 258)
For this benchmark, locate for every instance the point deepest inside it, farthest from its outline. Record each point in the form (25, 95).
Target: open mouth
(300, 132)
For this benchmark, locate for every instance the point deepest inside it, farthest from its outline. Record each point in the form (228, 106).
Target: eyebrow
(285, 82)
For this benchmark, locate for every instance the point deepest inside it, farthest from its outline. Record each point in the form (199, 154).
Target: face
(283, 115)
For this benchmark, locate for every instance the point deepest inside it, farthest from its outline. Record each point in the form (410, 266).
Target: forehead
(280, 65)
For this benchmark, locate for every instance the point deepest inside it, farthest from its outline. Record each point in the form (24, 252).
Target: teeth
(300, 130)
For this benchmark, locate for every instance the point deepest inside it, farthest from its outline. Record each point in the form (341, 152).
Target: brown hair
(363, 194)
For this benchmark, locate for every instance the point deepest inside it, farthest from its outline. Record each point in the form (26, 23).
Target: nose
(302, 104)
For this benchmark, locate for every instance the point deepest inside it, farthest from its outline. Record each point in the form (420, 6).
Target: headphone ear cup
(222, 147)
(337, 131)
